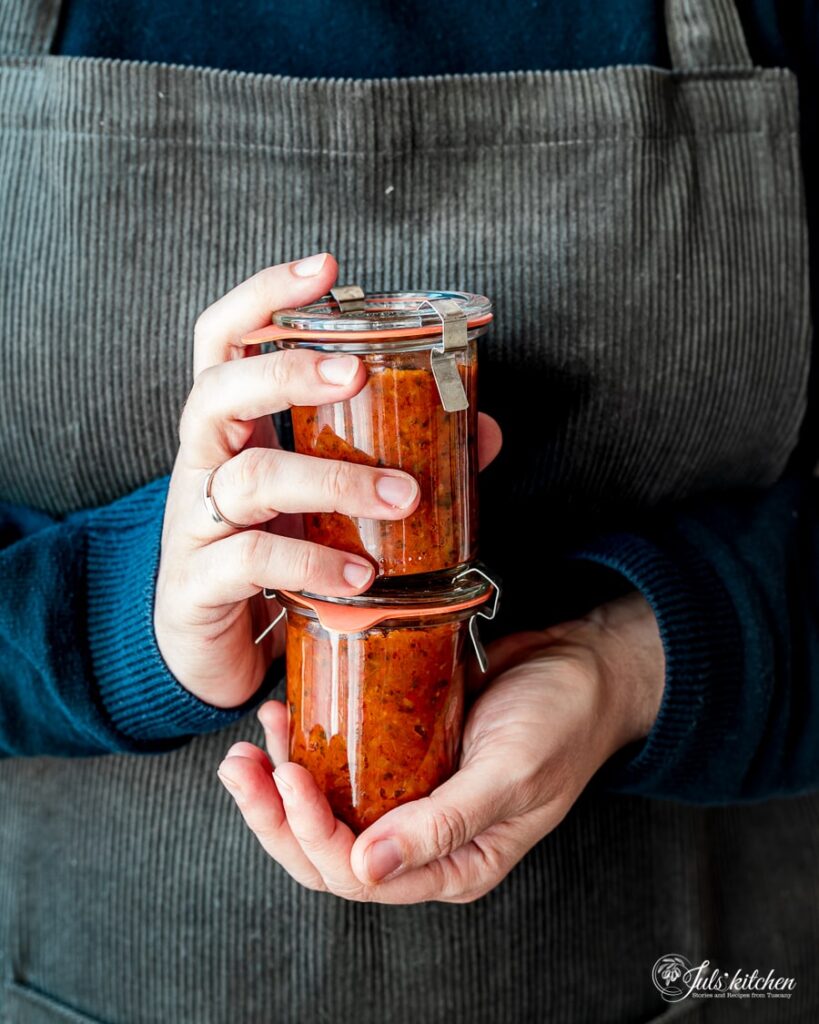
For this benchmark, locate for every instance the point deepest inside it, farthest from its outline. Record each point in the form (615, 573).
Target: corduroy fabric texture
(525, 186)
(137, 193)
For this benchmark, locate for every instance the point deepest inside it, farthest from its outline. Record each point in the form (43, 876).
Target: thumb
(248, 307)
(476, 797)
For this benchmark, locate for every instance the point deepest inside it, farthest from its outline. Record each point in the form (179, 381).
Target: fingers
(327, 843)
(249, 781)
(219, 414)
(490, 439)
(252, 752)
(243, 564)
(465, 875)
(324, 839)
(421, 832)
(313, 836)
(259, 483)
(218, 331)
(272, 716)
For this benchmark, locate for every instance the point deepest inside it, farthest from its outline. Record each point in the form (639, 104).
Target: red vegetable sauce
(376, 717)
(398, 421)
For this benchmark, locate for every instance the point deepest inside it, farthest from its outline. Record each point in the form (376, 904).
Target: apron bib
(643, 237)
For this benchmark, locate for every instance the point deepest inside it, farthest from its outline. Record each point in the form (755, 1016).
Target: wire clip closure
(480, 650)
(484, 613)
(349, 297)
(268, 596)
(442, 359)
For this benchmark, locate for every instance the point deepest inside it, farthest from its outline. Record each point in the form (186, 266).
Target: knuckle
(186, 424)
(253, 550)
(526, 786)
(308, 564)
(201, 327)
(339, 481)
(314, 882)
(313, 840)
(202, 399)
(492, 856)
(267, 832)
(349, 891)
(204, 389)
(191, 414)
(447, 829)
(480, 874)
(277, 370)
(246, 470)
(262, 285)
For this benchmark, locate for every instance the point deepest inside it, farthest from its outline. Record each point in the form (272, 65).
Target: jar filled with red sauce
(375, 688)
(417, 412)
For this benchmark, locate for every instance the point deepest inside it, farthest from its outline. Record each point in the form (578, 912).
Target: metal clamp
(480, 650)
(442, 359)
(268, 596)
(349, 297)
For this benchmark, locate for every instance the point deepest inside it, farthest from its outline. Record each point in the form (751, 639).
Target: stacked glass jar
(375, 683)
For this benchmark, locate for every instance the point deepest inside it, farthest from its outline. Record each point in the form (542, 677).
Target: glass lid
(383, 311)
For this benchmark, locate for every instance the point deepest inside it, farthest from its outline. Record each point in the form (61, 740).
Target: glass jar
(375, 688)
(417, 412)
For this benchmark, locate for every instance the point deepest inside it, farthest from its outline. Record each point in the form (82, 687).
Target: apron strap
(705, 34)
(28, 27)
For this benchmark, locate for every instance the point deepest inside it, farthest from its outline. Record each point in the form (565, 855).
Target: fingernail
(338, 369)
(310, 266)
(227, 781)
(356, 574)
(283, 787)
(397, 491)
(383, 858)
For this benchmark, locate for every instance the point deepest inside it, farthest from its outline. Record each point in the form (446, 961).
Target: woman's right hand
(209, 603)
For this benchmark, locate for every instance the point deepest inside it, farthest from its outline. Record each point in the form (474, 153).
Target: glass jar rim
(364, 343)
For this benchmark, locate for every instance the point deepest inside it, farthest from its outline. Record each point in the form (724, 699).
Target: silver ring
(210, 503)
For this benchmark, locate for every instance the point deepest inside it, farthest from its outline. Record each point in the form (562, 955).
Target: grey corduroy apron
(642, 234)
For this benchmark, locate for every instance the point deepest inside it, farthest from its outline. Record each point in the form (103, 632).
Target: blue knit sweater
(733, 582)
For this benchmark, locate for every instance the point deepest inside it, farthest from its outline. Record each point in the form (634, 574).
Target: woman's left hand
(558, 705)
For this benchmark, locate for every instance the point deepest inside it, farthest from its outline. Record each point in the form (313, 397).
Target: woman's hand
(209, 605)
(560, 703)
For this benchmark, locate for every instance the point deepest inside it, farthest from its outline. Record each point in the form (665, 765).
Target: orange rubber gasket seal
(275, 333)
(348, 618)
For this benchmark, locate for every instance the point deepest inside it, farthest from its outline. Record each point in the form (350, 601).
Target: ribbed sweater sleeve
(734, 585)
(80, 670)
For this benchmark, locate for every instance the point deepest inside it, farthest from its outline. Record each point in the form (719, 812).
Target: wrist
(622, 643)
